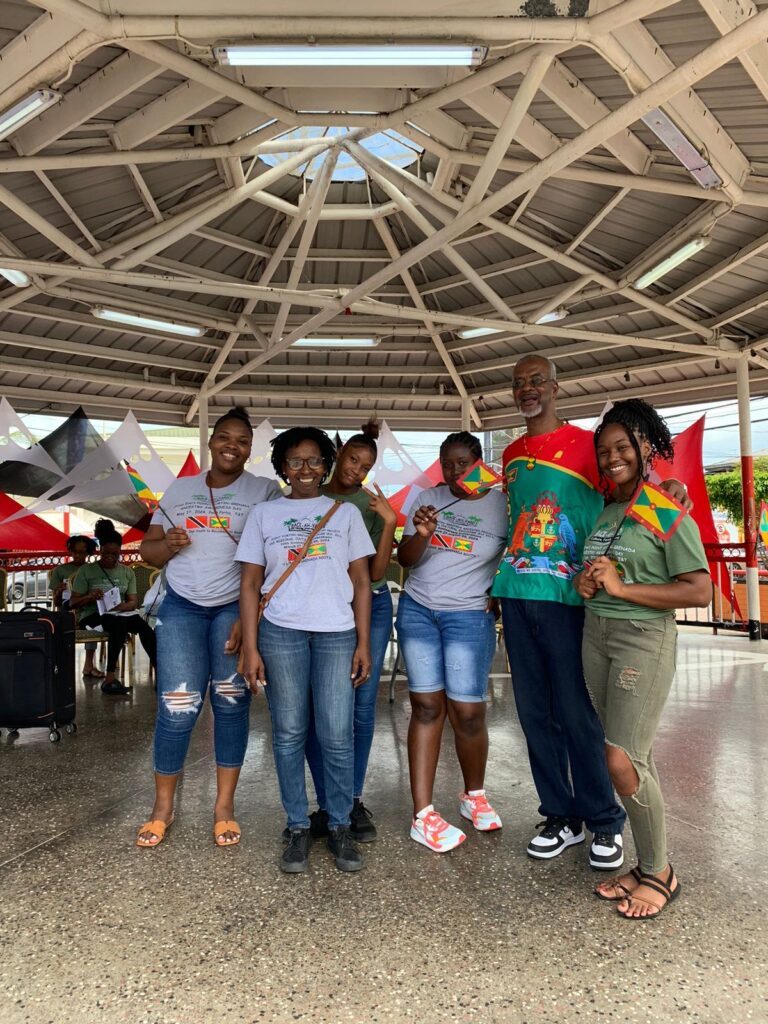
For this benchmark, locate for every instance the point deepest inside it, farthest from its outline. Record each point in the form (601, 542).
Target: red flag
(190, 467)
(688, 466)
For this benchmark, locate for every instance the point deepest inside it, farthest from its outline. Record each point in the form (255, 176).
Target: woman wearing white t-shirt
(311, 647)
(446, 629)
(195, 642)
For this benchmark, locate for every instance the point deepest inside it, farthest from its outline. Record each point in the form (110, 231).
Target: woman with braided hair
(447, 632)
(632, 582)
(354, 461)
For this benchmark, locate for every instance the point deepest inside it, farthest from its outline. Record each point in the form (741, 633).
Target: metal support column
(748, 498)
(202, 421)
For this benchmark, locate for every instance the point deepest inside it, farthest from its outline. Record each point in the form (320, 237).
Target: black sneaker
(318, 823)
(318, 826)
(295, 856)
(348, 857)
(606, 852)
(555, 836)
(360, 824)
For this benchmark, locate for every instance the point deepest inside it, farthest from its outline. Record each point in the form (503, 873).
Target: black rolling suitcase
(37, 671)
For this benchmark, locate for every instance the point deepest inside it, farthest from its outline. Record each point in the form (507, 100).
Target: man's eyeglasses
(314, 462)
(537, 381)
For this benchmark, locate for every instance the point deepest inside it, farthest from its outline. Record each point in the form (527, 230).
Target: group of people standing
(287, 592)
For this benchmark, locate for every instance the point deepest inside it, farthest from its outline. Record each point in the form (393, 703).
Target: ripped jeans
(629, 666)
(190, 655)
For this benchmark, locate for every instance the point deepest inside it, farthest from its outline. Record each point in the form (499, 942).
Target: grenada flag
(479, 477)
(656, 511)
(763, 527)
(143, 493)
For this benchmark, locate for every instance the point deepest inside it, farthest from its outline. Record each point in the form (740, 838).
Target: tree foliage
(725, 490)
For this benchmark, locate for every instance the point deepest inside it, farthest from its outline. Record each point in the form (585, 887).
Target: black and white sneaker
(555, 836)
(606, 852)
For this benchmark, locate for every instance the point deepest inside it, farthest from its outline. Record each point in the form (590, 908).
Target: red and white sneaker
(476, 808)
(434, 832)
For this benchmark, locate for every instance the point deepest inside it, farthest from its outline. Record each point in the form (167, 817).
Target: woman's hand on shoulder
(381, 506)
(425, 520)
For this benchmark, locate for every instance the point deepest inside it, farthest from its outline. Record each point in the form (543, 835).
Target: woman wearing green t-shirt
(632, 582)
(354, 462)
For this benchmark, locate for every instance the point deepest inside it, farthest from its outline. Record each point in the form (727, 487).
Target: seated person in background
(60, 582)
(93, 580)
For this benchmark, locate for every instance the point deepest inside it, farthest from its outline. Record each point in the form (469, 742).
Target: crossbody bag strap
(268, 597)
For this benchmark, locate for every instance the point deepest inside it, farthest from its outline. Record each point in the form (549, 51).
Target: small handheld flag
(479, 477)
(144, 494)
(656, 510)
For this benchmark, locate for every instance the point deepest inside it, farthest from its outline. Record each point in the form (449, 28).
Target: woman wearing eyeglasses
(311, 647)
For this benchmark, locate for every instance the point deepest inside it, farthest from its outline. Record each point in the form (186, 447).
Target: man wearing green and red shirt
(555, 496)
(554, 499)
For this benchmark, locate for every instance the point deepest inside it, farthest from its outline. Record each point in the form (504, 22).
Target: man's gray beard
(530, 413)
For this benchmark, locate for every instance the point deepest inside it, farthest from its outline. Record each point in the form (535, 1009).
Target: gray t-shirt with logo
(457, 568)
(317, 596)
(206, 572)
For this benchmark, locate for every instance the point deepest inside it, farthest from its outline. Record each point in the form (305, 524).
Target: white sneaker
(434, 832)
(476, 808)
(556, 835)
(606, 852)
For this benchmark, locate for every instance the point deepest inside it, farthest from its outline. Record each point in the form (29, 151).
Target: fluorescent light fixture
(17, 277)
(336, 343)
(437, 55)
(137, 320)
(28, 108)
(666, 131)
(680, 256)
(552, 316)
(479, 332)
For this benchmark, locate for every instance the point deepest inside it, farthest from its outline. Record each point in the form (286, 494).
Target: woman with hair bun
(446, 627)
(198, 622)
(632, 582)
(354, 462)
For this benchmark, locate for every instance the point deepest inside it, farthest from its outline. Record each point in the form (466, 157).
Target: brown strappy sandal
(625, 893)
(663, 888)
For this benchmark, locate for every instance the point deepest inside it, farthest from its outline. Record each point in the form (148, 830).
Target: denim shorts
(449, 651)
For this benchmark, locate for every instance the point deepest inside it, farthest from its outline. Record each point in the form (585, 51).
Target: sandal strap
(225, 826)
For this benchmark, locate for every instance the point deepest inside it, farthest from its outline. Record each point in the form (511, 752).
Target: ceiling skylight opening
(389, 145)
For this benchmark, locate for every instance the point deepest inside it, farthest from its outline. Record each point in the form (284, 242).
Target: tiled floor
(93, 929)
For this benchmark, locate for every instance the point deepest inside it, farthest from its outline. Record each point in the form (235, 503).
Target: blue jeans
(303, 671)
(446, 650)
(564, 736)
(365, 702)
(190, 654)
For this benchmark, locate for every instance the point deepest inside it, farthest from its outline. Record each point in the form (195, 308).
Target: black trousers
(117, 628)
